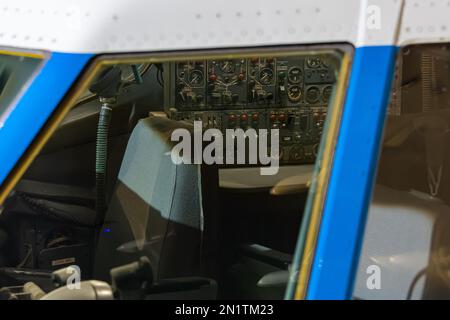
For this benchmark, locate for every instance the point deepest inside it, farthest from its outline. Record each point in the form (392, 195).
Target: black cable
(158, 78)
(159, 75)
(27, 257)
(414, 282)
(136, 74)
(41, 207)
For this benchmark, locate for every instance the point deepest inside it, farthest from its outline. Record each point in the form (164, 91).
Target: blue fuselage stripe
(355, 161)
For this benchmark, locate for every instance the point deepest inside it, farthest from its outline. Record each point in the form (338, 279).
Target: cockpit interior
(104, 195)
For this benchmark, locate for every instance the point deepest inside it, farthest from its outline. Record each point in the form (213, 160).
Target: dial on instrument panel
(196, 78)
(266, 76)
(313, 62)
(261, 83)
(312, 94)
(190, 84)
(295, 75)
(294, 93)
(227, 72)
(227, 82)
(227, 66)
(190, 73)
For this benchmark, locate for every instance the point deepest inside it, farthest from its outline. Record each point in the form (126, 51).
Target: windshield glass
(406, 251)
(115, 184)
(15, 72)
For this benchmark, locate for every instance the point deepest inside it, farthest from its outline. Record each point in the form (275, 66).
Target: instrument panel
(288, 93)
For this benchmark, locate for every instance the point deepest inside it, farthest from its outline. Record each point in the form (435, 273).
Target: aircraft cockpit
(120, 192)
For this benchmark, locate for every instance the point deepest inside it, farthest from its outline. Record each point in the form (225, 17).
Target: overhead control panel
(290, 93)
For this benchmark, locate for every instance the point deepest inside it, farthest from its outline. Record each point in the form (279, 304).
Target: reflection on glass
(15, 72)
(406, 253)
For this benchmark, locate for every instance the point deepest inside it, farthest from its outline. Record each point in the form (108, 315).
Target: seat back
(158, 208)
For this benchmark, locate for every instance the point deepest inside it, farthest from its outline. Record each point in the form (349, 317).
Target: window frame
(351, 182)
(36, 110)
(311, 224)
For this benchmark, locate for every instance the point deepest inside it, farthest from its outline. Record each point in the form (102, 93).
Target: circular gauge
(266, 76)
(313, 62)
(181, 71)
(294, 93)
(196, 78)
(295, 75)
(297, 153)
(312, 94)
(226, 66)
(326, 93)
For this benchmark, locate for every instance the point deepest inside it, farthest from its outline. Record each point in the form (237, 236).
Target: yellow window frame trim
(25, 54)
(322, 179)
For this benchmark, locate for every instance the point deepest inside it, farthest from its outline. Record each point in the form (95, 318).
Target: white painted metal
(97, 26)
(425, 21)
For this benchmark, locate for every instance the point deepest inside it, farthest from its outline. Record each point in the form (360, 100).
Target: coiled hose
(101, 151)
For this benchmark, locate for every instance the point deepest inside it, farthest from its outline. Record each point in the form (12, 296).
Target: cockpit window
(194, 167)
(16, 69)
(406, 250)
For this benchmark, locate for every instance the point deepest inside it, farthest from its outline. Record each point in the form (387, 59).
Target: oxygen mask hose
(106, 86)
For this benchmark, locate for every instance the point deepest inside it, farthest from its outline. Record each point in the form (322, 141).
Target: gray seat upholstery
(160, 209)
